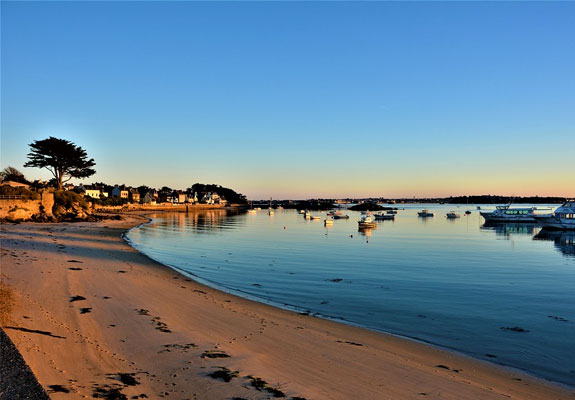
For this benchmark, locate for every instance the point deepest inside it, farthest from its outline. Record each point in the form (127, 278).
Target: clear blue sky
(298, 99)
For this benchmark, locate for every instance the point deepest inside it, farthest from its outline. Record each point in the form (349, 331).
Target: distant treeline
(369, 203)
(489, 199)
(313, 205)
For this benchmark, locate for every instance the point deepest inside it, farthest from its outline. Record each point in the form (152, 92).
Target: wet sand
(95, 318)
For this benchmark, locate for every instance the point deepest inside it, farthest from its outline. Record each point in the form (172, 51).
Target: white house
(95, 192)
(192, 198)
(213, 198)
(177, 196)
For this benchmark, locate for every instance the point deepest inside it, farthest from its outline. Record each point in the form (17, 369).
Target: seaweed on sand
(223, 373)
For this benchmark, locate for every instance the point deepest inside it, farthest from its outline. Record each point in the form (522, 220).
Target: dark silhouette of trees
(230, 195)
(62, 158)
(12, 174)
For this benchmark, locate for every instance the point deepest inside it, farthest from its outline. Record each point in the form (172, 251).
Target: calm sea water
(455, 284)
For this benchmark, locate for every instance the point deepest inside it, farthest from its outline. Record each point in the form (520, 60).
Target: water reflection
(366, 232)
(564, 241)
(506, 230)
(203, 221)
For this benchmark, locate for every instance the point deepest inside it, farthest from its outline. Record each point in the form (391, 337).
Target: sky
(298, 99)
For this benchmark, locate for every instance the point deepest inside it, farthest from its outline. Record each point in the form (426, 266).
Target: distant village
(148, 196)
(121, 194)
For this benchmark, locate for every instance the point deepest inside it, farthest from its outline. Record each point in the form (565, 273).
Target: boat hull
(553, 222)
(489, 217)
(385, 217)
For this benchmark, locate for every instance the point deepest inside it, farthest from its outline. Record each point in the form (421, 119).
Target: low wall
(15, 208)
(158, 207)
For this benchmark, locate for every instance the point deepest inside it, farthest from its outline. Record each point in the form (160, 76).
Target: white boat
(315, 217)
(271, 212)
(383, 217)
(426, 213)
(452, 215)
(307, 215)
(367, 221)
(562, 218)
(328, 221)
(302, 211)
(507, 214)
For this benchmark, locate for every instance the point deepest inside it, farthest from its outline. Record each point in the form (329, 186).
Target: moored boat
(507, 214)
(367, 221)
(426, 213)
(383, 217)
(562, 218)
(340, 215)
(452, 215)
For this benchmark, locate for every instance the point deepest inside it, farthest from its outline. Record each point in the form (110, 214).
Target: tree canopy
(12, 174)
(62, 158)
(230, 195)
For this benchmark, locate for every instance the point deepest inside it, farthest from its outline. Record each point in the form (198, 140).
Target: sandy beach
(92, 317)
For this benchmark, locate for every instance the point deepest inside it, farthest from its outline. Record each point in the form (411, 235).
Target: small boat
(479, 208)
(367, 221)
(426, 213)
(315, 217)
(562, 218)
(271, 212)
(302, 211)
(507, 214)
(307, 214)
(391, 212)
(384, 217)
(452, 215)
(467, 212)
(328, 221)
(340, 215)
(252, 212)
